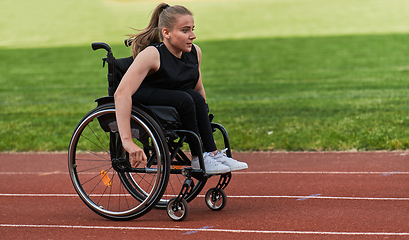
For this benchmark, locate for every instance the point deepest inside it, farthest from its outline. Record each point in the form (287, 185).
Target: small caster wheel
(177, 212)
(216, 200)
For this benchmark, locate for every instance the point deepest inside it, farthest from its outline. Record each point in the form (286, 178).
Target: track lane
(283, 217)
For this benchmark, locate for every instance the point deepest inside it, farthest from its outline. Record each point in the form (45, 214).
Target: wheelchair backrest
(121, 65)
(116, 67)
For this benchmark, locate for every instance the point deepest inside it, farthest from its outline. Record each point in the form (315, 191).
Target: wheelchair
(102, 175)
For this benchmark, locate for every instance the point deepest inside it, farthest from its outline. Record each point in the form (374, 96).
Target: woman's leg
(206, 133)
(203, 121)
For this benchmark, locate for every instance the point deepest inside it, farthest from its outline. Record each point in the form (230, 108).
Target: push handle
(111, 63)
(128, 42)
(99, 45)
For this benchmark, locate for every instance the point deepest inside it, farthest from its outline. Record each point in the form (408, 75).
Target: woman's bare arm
(146, 62)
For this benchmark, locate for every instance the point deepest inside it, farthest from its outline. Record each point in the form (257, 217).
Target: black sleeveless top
(174, 73)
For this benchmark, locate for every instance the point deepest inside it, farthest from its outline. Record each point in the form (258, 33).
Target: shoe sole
(218, 172)
(238, 168)
(214, 172)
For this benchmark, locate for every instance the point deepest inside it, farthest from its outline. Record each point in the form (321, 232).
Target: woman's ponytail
(150, 34)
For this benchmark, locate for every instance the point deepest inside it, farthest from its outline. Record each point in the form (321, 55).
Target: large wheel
(97, 162)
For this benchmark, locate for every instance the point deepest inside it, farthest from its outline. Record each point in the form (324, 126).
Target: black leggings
(192, 110)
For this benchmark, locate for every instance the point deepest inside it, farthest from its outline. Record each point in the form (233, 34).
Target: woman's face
(181, 36)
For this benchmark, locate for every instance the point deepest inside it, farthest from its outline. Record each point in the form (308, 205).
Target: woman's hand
(136, 154)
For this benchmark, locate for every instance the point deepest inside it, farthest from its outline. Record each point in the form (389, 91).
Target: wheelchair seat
(165, 114)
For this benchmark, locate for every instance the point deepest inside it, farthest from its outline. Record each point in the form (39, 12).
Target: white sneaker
(212, 166)
(234, 165)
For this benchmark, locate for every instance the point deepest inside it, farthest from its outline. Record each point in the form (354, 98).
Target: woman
(166, 71)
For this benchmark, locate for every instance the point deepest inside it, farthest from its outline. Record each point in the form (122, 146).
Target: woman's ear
(165, 33)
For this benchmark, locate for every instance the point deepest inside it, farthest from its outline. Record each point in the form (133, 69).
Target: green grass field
(298, 75)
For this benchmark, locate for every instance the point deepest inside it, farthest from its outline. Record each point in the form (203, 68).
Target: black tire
(216, 200)
(113, 194)
(178, 212)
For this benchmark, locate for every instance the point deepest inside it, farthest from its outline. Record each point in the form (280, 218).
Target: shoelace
(210, 159)
(221, 154)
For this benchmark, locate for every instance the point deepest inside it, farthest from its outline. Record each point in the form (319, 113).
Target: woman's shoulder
(157, 45)
(149, 51)
(198, 52)
(159, 48)
(197, 48)
(149, 57)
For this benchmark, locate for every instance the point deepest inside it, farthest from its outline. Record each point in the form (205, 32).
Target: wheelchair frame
(102, 175)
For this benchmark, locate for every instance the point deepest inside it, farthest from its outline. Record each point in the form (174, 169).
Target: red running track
(281, 196)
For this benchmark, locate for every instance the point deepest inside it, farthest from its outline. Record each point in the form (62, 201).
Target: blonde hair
(164, 16)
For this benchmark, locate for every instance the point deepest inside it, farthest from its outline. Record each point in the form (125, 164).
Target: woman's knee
(196, 96)
(198, 99)
(185, 102)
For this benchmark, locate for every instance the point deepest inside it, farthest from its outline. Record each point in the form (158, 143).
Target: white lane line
(255, 172)
(326, 197)
(208, 230)
(202, 196)
(33, 173)
(36, 195)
